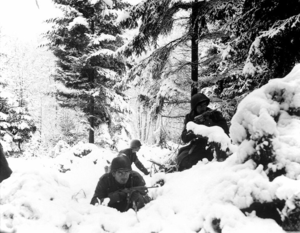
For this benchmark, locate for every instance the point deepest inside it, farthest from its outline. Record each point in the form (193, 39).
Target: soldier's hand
(146, 172)
(117, 196)
(208, 122)
(190, 135)
(143, 190)
(207, 113)
(199, 119)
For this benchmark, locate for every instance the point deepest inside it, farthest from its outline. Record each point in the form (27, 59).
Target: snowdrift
(210, 197)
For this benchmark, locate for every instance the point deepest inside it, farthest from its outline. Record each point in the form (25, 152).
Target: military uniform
(109, 187)
(134, 159)
(197, 149)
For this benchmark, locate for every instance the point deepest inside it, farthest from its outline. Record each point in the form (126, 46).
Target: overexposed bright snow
(52, 194)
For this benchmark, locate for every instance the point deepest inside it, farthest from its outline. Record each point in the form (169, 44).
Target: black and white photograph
(149, 116)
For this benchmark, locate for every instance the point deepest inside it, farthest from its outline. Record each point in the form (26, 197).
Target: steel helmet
(120, 163)
(198, 98)
(135, 144)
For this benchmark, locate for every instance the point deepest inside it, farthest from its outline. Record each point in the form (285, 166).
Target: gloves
(146, 172)
(117, 196)
(143, 190)
(190, 135)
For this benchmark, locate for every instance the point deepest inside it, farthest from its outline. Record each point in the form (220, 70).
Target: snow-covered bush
(16, 124)
(266, 126)
(60, 147)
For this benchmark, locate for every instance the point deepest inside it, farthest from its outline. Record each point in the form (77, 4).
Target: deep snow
(39, 198)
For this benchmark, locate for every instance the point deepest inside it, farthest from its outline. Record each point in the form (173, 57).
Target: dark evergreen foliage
(249, 42)
(85, 40)
(262, 44)
(15, 120)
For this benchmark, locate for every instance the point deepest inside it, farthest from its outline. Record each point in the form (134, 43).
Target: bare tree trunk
(194, 41)
(149, 128)
(146, 126)
(92, 120)
(91, 73)
(139, 125)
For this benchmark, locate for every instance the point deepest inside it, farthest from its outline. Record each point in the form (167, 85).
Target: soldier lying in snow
(198, 147)
(122, 186)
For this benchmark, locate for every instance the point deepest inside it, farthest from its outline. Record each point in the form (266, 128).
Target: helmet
(135, 143)
(120, 163)
(198, 98)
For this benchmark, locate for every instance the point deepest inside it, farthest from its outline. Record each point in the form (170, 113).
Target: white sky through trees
(25, 18)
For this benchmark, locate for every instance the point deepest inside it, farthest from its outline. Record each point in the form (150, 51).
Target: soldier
(5, 171)
(124, 188)
(135, 146)
(197, 149)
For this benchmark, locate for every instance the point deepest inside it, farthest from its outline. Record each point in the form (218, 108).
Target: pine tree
(169, 35)
(260, 46)
(85, 41)
(161, 18)
(243, 44)
(16, 123)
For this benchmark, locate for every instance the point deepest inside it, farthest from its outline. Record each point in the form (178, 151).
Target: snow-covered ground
(40, 198)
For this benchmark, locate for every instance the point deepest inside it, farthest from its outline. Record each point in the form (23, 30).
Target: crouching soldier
(198, 148)
(135, 146)
(124, 188)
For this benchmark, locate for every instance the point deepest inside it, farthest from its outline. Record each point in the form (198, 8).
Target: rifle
(165, 168)
(160, 166)
(204, 116)
(141, 189)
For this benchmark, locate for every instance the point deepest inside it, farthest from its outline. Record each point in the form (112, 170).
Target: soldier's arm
(187, 136)
(138, 180)
(140, 166)
(100, 192)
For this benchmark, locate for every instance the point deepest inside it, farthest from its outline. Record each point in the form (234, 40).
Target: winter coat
(134, 159)
(109, 187)
(5, 171)
(197, 149)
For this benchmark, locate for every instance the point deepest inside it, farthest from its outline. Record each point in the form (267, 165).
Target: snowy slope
(206, 198)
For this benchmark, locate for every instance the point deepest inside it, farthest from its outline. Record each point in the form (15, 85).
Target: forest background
(105, 71)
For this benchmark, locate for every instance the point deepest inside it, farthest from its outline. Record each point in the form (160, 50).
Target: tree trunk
(92, 120)
(139, 119)
(194, 42)
(92, 75)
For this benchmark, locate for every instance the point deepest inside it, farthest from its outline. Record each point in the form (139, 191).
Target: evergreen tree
(85, 40)
(16, 124)
(260, 46)
(161, 18)
(242, 45)
(171, 32)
